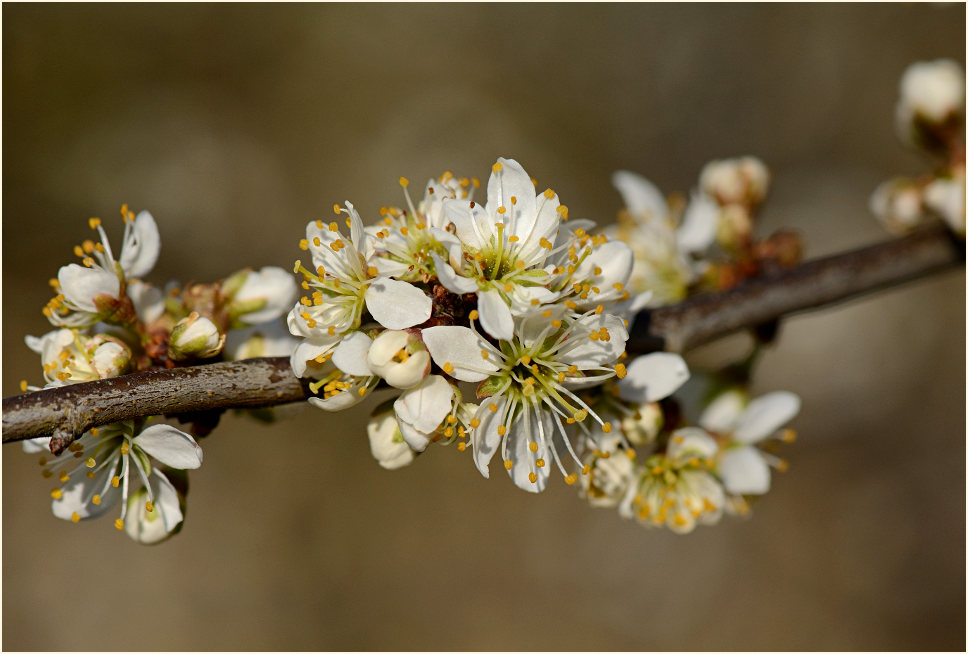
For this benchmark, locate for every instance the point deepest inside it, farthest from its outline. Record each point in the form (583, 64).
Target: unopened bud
(400, 358)
(897, 204)
(110, 358)
(931, 93)
(194, 337)
(744, 180)
(642, 427)
(386, 442)
(946, 197)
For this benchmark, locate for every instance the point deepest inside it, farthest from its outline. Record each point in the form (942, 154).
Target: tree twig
(67, 412)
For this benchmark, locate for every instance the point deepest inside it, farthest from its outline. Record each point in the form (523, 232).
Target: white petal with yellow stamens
(397, 305)
(461, 348)
(652, 377)
(170, 446)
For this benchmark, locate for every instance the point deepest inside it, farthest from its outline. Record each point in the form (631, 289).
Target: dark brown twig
(68, 411)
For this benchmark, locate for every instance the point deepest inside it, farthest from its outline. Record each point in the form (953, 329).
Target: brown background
(235, 125)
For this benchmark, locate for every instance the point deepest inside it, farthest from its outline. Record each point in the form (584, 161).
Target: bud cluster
(929, 117)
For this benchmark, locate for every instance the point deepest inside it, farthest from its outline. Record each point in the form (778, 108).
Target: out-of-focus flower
(945, 196)
(742, 181)
(744, 468)
(897, 204)
(676, 489)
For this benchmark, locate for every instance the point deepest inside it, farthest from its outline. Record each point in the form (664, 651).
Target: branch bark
(67, 412)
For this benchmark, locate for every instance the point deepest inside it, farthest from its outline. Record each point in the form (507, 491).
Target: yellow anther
(42, 460)
(561, 377)
(571, 304)
(540, 463)
(787, 435)
(336, 209)
(90, 463)
(571, 479)
(88, 246)
(64, 477)
(586, 469)
(404, 231)
(119, 524)
(362, 391)
(149, 507)
(316, 241)
(620, 370)
(546, 313)
(298, 263)
(303, 245)
(57, 493)
(580, 415)
(94, 222)
(533, 446)
(492, 407)
(607, 427)
(508, 464)
(90, 474)
(448, 432)
(782, 465)
(535, 302)
(501, 430)
(96, 500)
(525, 359)
(519, 265)
(556, 323)
(115, 481)
(497, 167)
(599, 309)
(461, 446)
(78, 251)
(570, 421)
(474, 315)
(484, 354)
(514, 239)
(448, 367)
(23, 385)
(630, 454)
(451, 419)
(125, 448)
(404, 182)
(501, 210)
(372, 271)
(475, 423)
(533, 478)
(75, 517)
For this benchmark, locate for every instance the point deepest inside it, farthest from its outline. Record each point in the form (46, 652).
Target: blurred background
(237, 124)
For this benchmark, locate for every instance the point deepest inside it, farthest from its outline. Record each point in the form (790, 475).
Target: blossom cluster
(929, 117)
(501, 327)
(109, 322)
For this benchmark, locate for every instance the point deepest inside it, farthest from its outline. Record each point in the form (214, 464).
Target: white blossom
(930, 92)
(386, 442)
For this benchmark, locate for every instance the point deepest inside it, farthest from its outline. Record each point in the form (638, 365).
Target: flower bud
(644, 425)
(946, 197)
(897, 204)
(194, 337)
(386, 442)
(744, 180)
(400, 358)
(258, 296)
(932, 92)
(110, 358)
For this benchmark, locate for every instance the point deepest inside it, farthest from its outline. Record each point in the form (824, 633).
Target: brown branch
(68, 411)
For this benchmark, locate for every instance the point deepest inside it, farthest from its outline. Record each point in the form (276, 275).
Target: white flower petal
(588, 353)
(389, 452)
(699, 224)
(78, 494)
(652, 377)
(485, 440)
(344, 400)
(148, 300)
(350, 355)
(511, 181)
(141, 246)
(495, 315)
(309, 349)
(744, 471)
(473, 226)
(425, 406)
(641, 197)
(450, 279)
(520, 453)
(170, 446)
(81, 285)
(397, 305)
(274, 285)
(765, 415)
(723, 413)
(460, 347)
(166, 500)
